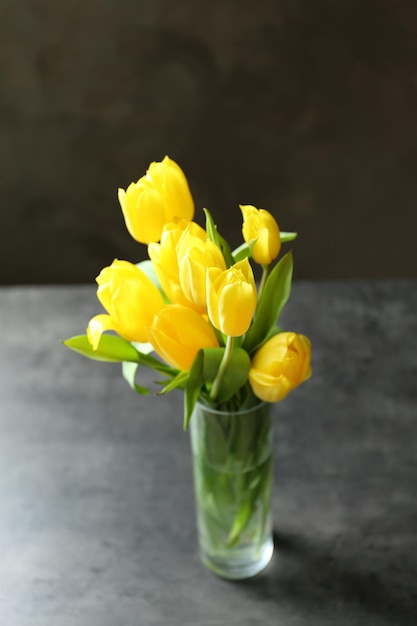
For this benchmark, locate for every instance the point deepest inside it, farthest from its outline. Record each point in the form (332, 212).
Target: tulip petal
(261, 227)
(168, 178)
(192, 275)
(231, 298)
(236, 306)
(143, 211)
(97, 326)
(269, 388)
(279, 365)
(177, 334)
(130, 298)
(149, 216)
(306, 343)
(212, 277)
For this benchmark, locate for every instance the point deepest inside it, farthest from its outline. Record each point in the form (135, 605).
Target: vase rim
(211, 409)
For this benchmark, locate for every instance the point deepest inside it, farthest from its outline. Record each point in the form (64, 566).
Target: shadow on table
(330, 575)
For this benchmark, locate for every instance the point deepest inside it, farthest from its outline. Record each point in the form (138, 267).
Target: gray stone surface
(96, 503)
(305, 108)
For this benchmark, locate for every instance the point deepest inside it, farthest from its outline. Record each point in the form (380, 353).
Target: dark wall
(308, 109)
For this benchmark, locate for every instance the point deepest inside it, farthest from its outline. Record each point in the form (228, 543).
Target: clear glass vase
(232, 465)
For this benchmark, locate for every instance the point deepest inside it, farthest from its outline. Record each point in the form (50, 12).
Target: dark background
(308, 109)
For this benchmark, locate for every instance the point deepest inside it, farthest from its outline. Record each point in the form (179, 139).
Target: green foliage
(273, 298)
(287, 236)
(178, 382)
(203, 373)
(129, 373)
(193, 386)
(233, 472)
(243, 251)
(215, 236)
(111, 348)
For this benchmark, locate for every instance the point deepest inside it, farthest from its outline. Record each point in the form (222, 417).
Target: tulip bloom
(177, 333)
(261, 227)
(164, 257)
(231, 298)
(157, 198)
(195, 255)
(280, 365)
(131, 300)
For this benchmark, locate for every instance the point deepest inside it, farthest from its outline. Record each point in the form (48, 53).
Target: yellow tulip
(177, 333)
(195, 255)
(164, 257)
(280, 365)
(231, 298)
(157, 198)
(259, 225)
(130, 299)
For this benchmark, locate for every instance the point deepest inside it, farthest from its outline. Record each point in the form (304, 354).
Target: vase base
(240, 569)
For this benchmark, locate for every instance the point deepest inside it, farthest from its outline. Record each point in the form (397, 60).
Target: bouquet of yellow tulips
(195, 303)
(194, 313)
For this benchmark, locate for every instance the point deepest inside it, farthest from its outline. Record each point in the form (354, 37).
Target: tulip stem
(265, 273)
(227, 354)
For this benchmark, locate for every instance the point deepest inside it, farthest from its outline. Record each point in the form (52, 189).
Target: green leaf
(211, 362)
(150, 361)
(227, 253)
(215, 236)
(275, 330)
(193, 387)
(234, 376)
(243, 251)
(287, 236)
(241, 520)
(211, 228)
(144, 350)
(273, 298)
(111, 348)
(129, 370)
(178, 381)
(204, 370)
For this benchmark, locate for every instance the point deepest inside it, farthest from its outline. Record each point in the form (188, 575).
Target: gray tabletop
(96, 502)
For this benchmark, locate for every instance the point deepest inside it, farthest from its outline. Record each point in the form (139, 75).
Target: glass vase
(232, 466)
